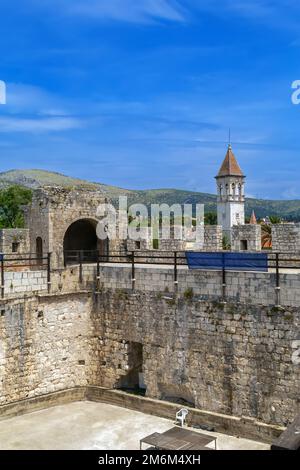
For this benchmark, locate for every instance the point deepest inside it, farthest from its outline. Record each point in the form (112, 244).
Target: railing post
(2, 275)
(98, 273)
(49, 272)
(132, 271)
(80, 266)
(277, 288)
(175, 273)
(223, 278)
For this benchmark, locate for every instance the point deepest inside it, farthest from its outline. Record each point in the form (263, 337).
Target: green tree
(211, 218)
(274, 219)
(11, 200)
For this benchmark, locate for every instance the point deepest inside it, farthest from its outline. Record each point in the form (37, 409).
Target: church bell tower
(231, 194)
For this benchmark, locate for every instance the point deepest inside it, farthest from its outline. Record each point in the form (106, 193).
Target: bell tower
(231, 193)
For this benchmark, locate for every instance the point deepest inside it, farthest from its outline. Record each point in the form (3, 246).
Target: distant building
(231, 194)
(253, 220)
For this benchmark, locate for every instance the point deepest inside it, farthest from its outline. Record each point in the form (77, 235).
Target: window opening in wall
(244, 245)
(15, 247)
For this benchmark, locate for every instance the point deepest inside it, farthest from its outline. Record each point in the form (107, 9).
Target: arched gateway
(66, 220)
(81, 241)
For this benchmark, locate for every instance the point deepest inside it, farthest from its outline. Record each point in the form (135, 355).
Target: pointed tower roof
(253, 220)
(230, 166)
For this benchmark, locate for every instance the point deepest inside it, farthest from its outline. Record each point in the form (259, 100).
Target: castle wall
(286, 238)
(233, 359)
(255, 288)
(45, 346)
(53, 210)
(10, 236)
(213, 238)
(24, 282)
(251, 234)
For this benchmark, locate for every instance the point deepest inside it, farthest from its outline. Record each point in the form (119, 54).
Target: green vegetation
(226, 243)
(287, 210)
(274, 219)
(188, 293)
(11, 200)
(211, 218)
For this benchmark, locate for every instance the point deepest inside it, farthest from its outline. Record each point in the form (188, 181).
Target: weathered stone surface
(41, 344)
(246, 237)
(219, 358)
(286, 238)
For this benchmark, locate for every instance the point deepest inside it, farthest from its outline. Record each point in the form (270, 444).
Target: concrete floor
(95, 426)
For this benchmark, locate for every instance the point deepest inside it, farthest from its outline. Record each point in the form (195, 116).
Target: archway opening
(81, 241)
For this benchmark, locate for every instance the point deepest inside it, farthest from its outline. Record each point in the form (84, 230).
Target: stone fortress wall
(222, 349)
(14, 241)
(229, 358)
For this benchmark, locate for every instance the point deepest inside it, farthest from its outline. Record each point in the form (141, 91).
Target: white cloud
(23, 98)
(12, 124)
(35, 110)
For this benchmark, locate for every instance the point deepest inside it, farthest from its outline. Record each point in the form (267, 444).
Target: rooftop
(230, 166)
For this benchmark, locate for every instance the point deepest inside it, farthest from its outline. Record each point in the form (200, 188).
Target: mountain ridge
(32, 179)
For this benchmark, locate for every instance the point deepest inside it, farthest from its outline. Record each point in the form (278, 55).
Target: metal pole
(223, 278)
(277, 288)
(2, 275)
(132, 271)
(98, 273)
(49, 271)
(175, 273)
(80, 267)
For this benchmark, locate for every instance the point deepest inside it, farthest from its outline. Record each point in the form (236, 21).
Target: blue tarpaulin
(228, 261)
(1, 256)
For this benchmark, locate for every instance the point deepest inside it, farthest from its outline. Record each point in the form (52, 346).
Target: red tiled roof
(230, 166)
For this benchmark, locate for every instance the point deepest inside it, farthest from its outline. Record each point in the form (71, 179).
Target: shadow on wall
(177, 394)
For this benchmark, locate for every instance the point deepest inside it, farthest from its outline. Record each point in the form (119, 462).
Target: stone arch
(81, 237)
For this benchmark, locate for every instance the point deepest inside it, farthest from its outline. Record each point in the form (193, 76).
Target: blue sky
(141, 93)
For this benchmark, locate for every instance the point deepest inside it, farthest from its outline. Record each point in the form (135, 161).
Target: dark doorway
(133, 380)
(39, 251)
(81, 238)
(244, 245)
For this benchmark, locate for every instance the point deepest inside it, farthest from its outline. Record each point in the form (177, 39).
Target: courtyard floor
(93, 426)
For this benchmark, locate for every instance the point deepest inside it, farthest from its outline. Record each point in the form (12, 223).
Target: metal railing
(15, 261)
(277, 264)
(275, 261)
